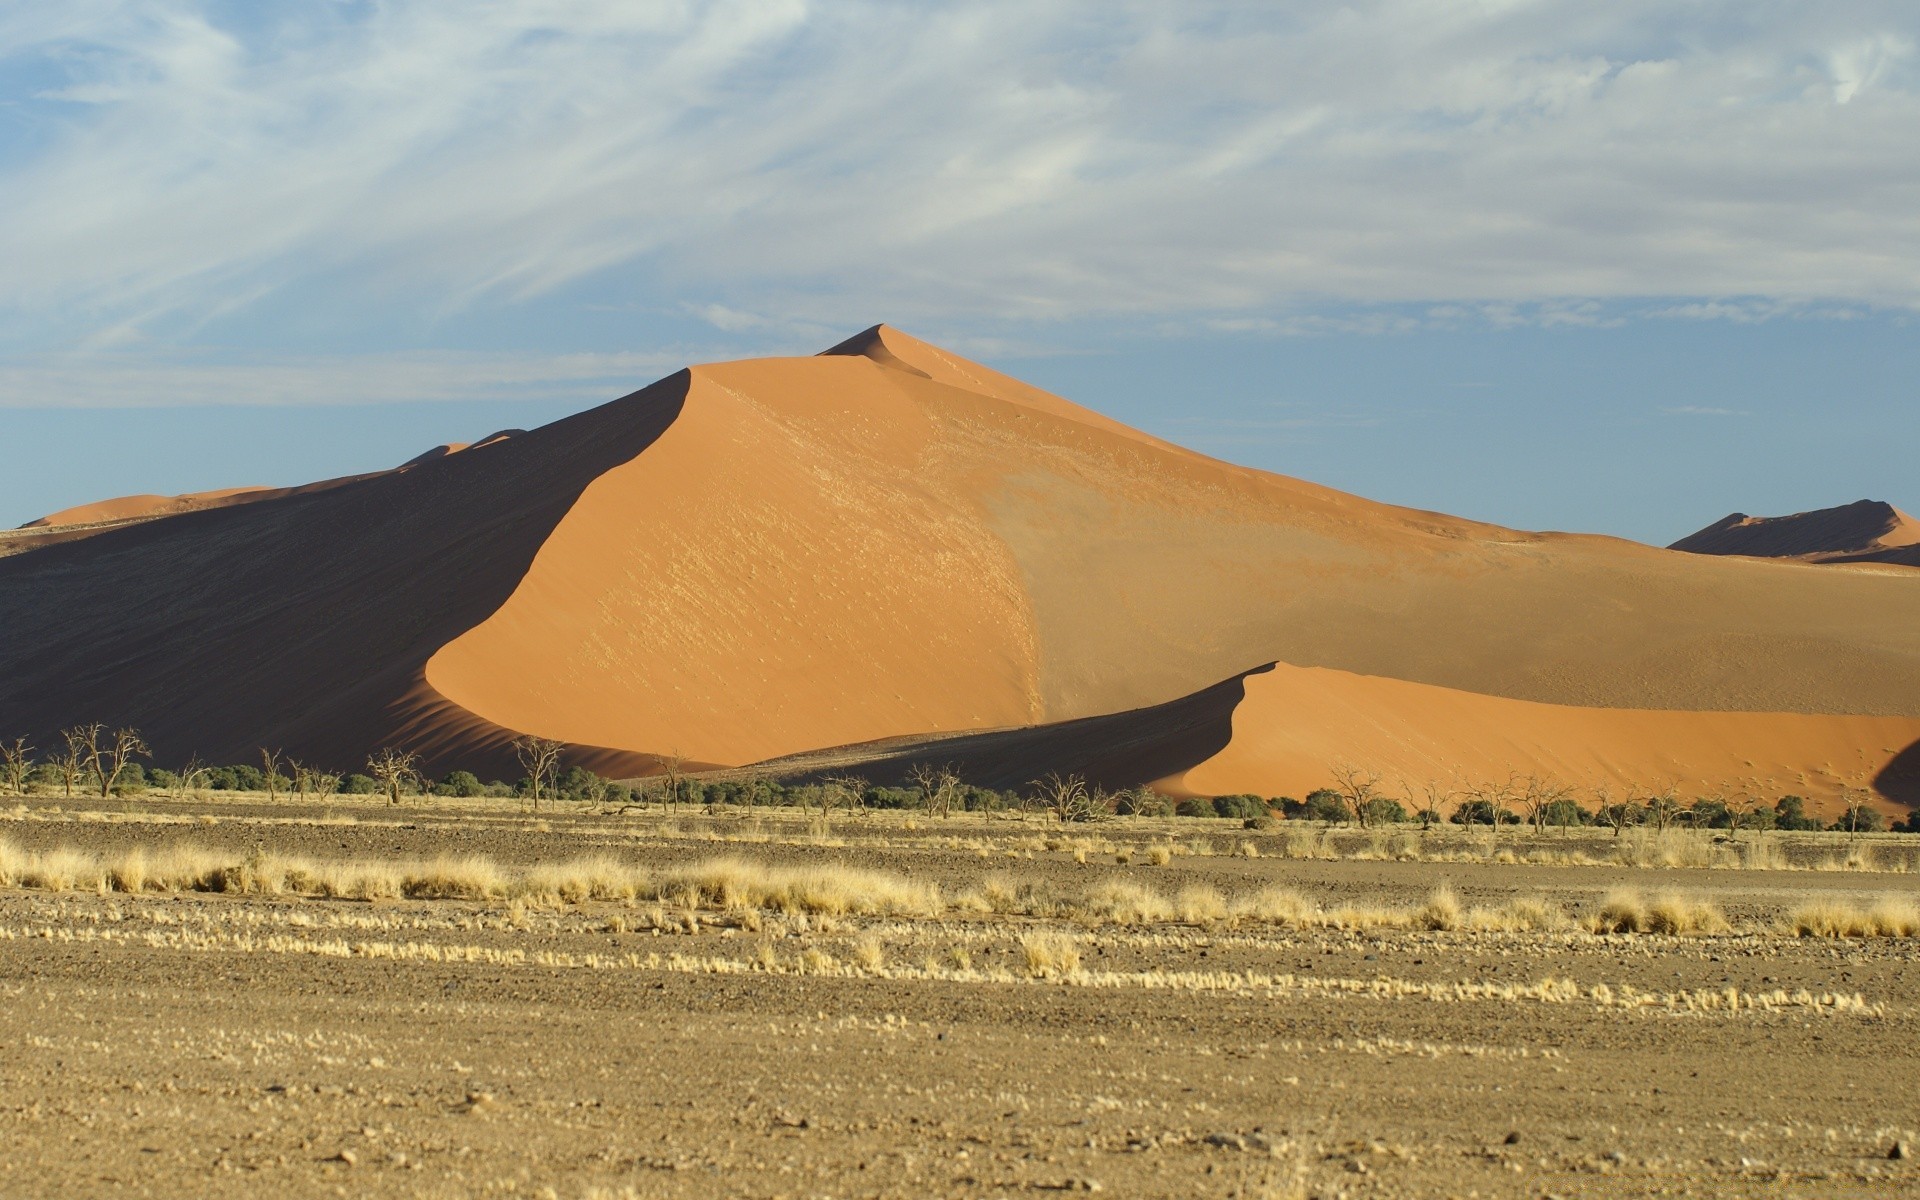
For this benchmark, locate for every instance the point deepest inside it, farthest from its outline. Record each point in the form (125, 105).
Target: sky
(1617, 268)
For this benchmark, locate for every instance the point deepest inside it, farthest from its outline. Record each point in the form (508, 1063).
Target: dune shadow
(1899, 780)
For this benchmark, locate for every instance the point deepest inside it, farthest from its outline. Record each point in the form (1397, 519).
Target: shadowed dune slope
(304, 622)
(758, 559)
(1866, 531)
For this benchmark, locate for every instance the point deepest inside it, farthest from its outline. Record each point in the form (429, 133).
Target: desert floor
(888, 1007)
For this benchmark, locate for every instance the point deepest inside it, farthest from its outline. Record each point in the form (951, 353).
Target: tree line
(91, 759)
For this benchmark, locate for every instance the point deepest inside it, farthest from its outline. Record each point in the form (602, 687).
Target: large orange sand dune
(764, 558)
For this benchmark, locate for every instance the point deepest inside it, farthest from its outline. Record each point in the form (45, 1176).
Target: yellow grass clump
(1670, 913)
(1894, 916)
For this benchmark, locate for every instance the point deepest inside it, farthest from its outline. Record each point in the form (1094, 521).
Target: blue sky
(1619, 268)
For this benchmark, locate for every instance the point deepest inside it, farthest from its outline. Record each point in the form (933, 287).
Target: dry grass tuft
(1050, 955)
(1441, 911)
(1894, 916)
(1159, 856)
(1670, 913)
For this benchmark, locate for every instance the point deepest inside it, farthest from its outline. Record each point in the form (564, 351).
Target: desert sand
(769, 558)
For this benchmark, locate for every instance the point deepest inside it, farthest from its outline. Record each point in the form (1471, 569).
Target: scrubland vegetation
(266, 976)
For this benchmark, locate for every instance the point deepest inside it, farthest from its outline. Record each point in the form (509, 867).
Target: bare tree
(1433, 797)
(750, 788)
(1361, 793)
(394, 770)
(73, 760)
(16, 763)
(1538, 796)
(1066, 799)
(312, 783)
(1496, 797)
(270, 772)
(938, 786)
(1617, 817)
(669, 765)
(1663, 808)
(107, 757)
(188, 780)
(540, 759)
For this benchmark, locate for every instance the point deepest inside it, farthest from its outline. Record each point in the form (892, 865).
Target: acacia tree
(1432, 798)
(750, 789)
(1360, 792)
(1663, 808)
(107, 757)
(1538, 794)
(393, 770)
(73, 760)
(669, 765)
(1066, 799)
(540, 759)
(16, 763)
(311, 782)
(270, 772)
(938, 786)
(188, 780)
(1617, 817)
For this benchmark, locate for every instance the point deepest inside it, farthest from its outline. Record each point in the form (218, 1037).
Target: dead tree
(1432, 798)
(540, 759)
(1360, 791)
(1538, 796)
(107, 757)
(393, 770)
(1065, 799)
(16, 763)
(73, 760)
(270, 772)
(188, 780)
(938, 786)
(669, 765)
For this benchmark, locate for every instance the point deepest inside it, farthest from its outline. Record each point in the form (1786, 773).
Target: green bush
(359, 785)
(460, 783)
(1241, 807)
(1195, 806)
(1860, 819)
(1791, 813)
(1327, 805)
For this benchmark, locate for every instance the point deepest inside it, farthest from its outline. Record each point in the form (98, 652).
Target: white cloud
(780, 165)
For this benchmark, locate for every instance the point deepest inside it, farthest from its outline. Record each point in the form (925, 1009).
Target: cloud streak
(780, 164)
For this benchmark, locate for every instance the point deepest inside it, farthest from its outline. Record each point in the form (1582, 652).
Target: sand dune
(756, 559)
(1408, 733)
(1866, 531)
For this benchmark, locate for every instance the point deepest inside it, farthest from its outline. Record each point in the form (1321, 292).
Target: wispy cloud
(776, 166)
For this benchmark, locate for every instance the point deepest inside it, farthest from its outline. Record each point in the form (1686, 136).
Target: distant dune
(775, 557)
(1866, 531)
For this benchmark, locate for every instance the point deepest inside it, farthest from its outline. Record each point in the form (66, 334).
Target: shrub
(1195, 806)
(1327, 805)
(1791, 813)
(460, 783)
(358, 785)
(1860, 819)
(1240, 808)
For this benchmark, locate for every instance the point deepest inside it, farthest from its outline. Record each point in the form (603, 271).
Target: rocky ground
(240, 1045)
